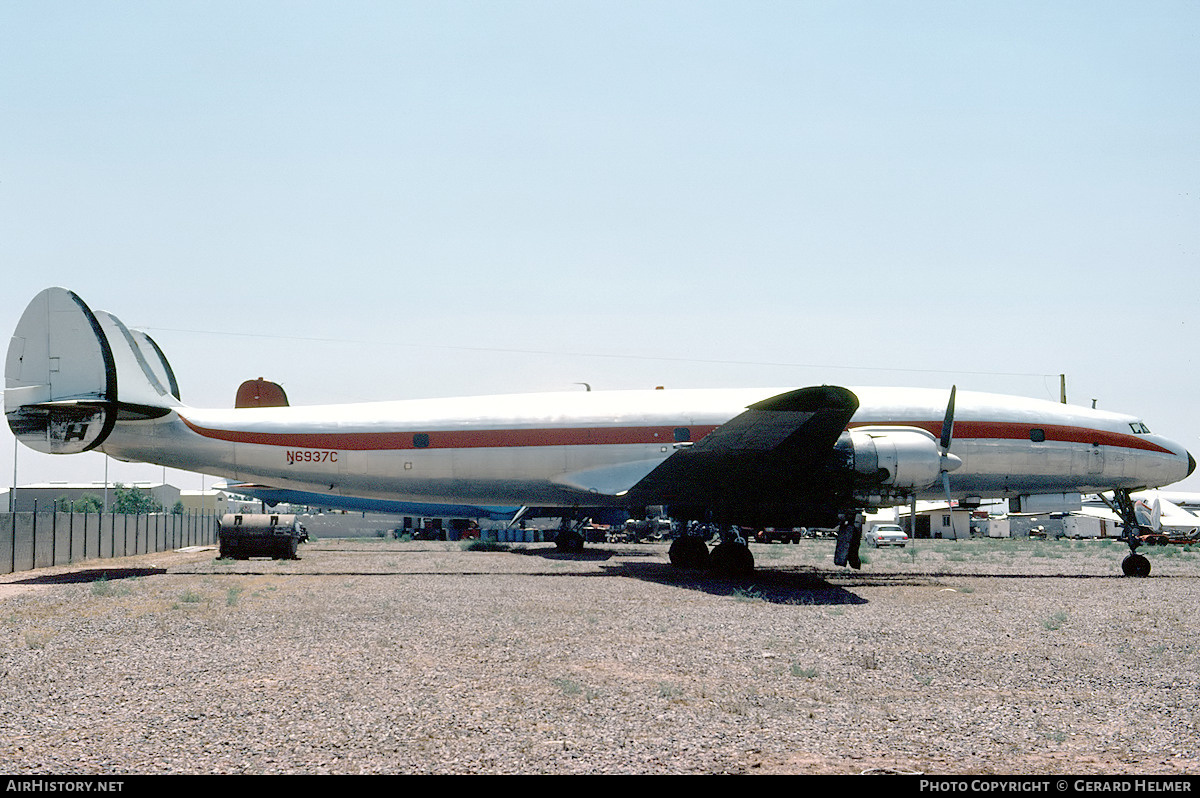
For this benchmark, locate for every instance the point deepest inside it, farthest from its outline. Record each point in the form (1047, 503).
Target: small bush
(36, 638)
(747, 594)
(569, 686)
(1055, 621)
(484, 545)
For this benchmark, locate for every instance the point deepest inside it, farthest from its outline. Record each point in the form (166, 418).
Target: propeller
(949, 461)
(948, 422)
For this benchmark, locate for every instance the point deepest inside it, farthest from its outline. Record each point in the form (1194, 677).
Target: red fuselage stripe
(1016, 431)
(602, 436)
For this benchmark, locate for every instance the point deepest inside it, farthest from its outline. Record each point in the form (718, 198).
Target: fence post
(33, 542)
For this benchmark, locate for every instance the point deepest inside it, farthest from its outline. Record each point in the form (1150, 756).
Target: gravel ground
(973, 657)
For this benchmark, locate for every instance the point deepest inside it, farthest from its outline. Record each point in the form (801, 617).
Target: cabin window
(682, 434)
(1037, 435)
(421, 440)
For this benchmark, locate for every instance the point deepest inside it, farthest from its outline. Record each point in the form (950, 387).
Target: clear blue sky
(374, 200)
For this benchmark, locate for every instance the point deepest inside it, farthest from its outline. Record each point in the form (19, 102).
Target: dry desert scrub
(371, 656)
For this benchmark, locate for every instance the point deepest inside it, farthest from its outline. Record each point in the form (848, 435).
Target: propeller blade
(948, 422)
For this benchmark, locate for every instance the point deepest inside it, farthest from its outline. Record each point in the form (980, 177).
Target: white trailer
(996, 526)
(1088, 526)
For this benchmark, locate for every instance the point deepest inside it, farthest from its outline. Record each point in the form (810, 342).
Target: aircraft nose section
(1191, 463)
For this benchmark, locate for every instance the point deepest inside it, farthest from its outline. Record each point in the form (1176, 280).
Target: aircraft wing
(770, 454)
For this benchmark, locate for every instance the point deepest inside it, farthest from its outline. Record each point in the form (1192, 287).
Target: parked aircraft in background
(1184, 501)
(819, 456)
(1164, 517)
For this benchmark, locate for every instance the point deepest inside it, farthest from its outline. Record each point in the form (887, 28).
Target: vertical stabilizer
(72, 373)
(60, 378)
(145, 379)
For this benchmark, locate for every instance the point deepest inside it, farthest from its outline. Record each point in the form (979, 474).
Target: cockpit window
(1139, 428)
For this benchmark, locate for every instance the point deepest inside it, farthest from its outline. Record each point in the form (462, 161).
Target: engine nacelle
(894, 459)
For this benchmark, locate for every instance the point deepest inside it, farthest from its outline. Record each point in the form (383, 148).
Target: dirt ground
(372, 656)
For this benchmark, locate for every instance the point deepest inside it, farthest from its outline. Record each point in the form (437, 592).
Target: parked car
(778, 535)
(886, 535)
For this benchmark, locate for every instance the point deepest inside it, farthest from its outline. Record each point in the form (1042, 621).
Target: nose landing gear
(1135, 564)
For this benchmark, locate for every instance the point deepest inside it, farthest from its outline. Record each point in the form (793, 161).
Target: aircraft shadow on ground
(89, 575)
(773, 586)
(766, 584)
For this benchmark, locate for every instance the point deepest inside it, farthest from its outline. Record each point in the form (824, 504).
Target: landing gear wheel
(688, 552)
(1135, 565)
(731, 559)
(569, 541)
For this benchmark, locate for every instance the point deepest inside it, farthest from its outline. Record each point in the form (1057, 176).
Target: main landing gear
(730, 558)
(570, 536)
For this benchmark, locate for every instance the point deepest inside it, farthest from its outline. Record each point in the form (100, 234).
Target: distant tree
(132, 500)
(178, 509)
(87, 503)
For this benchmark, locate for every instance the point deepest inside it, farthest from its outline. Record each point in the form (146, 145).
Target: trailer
(996, 526)
(246, 535)
(1087, 526)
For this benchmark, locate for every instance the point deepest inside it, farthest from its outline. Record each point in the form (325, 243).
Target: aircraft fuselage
(583, 448)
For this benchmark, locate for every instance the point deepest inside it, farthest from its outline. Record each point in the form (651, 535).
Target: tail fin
(71, 374)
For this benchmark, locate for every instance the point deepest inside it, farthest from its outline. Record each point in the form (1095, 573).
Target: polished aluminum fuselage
(587, 448)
